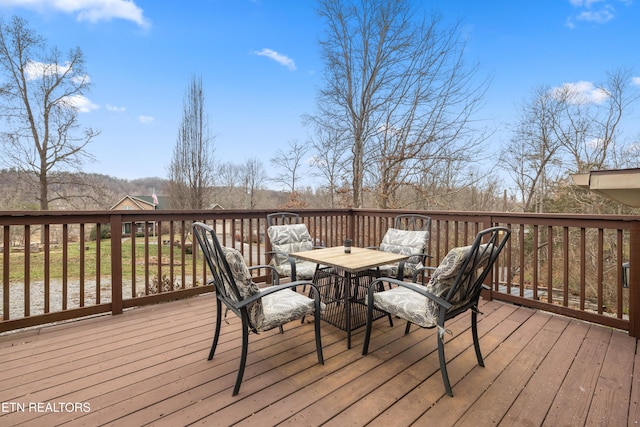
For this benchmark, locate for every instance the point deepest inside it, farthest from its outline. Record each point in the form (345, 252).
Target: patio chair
(453, 288)
(287, 234)
(408, 236)
(260, 309)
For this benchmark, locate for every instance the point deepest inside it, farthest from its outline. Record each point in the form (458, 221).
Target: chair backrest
(409, 235)
(289, 238)
(231, 277)
(412, 222)
(405, 242)
(282, 218)
(459, 277)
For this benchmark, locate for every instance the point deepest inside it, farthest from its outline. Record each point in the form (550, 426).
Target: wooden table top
(358, 260)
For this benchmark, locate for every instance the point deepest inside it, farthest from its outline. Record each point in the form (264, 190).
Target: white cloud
(594, 11)
(635, 81)
(80, 103)
(115, 109)
(278, 57)
(145, 120)
(596, 143)
(584, 3)
(581, 93)
(598, 16)
(35, 70)
(88, 10)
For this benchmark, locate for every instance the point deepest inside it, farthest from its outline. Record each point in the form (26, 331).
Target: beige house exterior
(148, 203)
(137, 203)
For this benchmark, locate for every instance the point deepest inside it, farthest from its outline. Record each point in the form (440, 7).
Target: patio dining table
(342, 279)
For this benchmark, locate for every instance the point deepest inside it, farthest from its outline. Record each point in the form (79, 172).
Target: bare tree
(230, 184)
(396, 85)
(42, 94)
(567, 129)
(532, 157)
(288, 164)
(329, 161)
(253, 176)
(192, 168)
(588, 127)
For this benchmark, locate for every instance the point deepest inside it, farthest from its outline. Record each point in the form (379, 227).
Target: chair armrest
(274, 272)
(290, 259)
(277, 252)
(422, 270)
(401, 264)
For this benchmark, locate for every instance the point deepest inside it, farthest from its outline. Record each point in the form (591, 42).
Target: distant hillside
(91, 191)
(83, 191)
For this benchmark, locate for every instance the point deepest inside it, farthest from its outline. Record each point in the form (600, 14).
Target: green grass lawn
(88, 251)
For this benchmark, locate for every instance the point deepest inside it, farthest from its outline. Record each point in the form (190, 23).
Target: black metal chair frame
(282, 218)
(410, 222)
(221, 272)
(498, 237)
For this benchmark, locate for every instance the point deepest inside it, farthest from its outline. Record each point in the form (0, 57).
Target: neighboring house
(149, 203)
(140, 203)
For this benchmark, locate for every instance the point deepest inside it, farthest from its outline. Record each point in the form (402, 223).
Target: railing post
(116, 264)
(634, 279)
(351, 226)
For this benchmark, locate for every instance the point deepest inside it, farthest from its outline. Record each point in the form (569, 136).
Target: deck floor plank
(493, 403)
(572, 402)
(149, 366)
(610, 404)
(470, 387)
(430, 390)
(387, 399)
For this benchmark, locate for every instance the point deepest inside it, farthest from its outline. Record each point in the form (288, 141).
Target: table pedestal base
(345, 294)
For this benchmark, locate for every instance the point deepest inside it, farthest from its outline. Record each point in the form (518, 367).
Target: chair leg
(316, 321)
(474, 332)
(243, 356)
(407, 328)
(367, 332)
(443, 364)
(217, 333)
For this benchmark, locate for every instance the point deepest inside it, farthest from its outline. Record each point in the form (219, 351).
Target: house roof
(621, 185)
(141, 201)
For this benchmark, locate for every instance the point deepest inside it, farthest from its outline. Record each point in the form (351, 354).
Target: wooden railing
(62, 265)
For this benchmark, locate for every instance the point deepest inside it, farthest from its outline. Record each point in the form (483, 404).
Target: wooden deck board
(149, 366)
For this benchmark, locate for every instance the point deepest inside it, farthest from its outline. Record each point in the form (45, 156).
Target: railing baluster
(550, 263)
(98, 259)
(81, 249)
(6, 257)
(27, 270)
(565, 269)
(47, 269)
(583, 269)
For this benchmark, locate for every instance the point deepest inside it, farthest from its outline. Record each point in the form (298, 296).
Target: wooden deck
(149, 366)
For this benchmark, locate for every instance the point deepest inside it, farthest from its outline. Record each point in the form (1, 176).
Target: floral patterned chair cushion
(244, 283)
(274, 309)
(284, 306)
(286, 239)
(405, 242)
(423, 311)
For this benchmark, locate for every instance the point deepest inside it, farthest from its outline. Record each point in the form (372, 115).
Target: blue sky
(260, 65)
